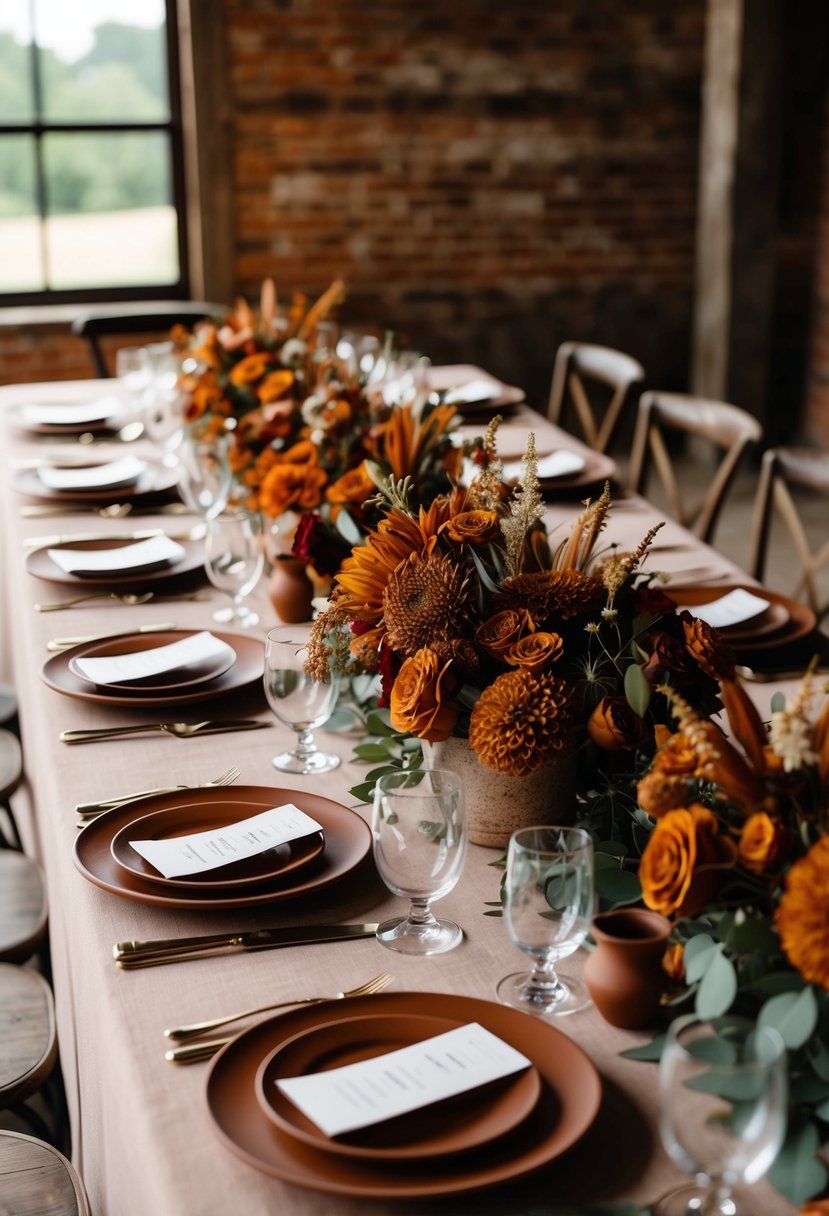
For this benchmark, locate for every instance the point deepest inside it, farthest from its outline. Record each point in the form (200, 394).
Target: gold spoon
(131, 600)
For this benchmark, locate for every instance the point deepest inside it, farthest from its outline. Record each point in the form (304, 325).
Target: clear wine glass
(420, 840)
(723, 1100)
(297, 699)
(205, 477)
(132, 369)
(163, 400)
(234, 560)
(548, 907)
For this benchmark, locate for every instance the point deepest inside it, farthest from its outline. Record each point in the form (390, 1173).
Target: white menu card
(735, 608)
(198, 648)
(122, 472)
(562, 463)
(373, 1091)
(199, 852)
(156, 551)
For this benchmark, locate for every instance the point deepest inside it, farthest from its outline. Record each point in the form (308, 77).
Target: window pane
(111, 221)
(21, 265)
(103, 60)
(16, 94)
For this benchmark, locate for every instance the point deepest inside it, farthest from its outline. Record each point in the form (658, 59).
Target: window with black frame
(91, 183)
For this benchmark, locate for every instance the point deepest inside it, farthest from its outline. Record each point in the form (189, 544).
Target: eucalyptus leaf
(822, 1111)
(819, 1058)
(614, 847)
(778, 702)
(343, 720)
(807, 1089)
(377, 751)
(637, 689)
(617, 886)
(698, 954)
(794, 1015)
(651, 1051)
(754, 934)
(348, 529)
(797, 1174)
(779, 981)
(718, 987)
(378, 722)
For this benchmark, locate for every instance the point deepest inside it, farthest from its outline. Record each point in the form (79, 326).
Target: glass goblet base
(313, 762)
(407, 937)
(695, 1200)
(244, 618)
(555, 999)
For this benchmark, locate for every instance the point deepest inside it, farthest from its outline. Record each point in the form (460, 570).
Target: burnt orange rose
(706, 645)
(673, 962)
(535, 651)
(614, 726)
(503, 630)
(421, 699)
(275, 385)
(815, 1207)
(353, 488)
(762, 843)
(684, 861)
(473, 527)
(250, 369)
(292, 485)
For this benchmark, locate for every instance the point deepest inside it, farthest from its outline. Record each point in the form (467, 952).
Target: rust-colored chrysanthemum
(551, 595)
(521, 720)
(422, 602)
(802, 918)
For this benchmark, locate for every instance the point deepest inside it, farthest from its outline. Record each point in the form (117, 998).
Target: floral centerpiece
(484, 631)
(737, 856)
(308, 436)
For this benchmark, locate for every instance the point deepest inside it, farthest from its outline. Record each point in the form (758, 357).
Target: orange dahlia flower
(521, 720)
(802, 917)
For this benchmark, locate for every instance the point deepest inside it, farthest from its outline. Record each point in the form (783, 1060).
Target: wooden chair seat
(583, 369)
(37, 1180)
(23, 907)
(728, 429)
(28, 1042)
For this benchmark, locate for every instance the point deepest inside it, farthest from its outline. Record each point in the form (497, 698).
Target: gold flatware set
(65, 643)
(132, 600)
(113, 510)
(89, 810)
(181, 730)
(197, 532)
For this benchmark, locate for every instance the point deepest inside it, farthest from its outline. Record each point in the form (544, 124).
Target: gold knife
(65, 643)
(182, 730)
(190, 1053)
(132, 954)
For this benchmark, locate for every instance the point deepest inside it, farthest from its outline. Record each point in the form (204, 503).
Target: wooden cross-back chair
(151, 317)
(729, 429)
(783, 469)
(578, 367)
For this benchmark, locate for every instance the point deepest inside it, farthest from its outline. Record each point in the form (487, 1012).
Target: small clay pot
(290, 590)
(624, 973)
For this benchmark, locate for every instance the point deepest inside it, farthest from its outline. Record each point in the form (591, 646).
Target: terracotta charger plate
(99, 426)
(39, 563)
(154, 480)
(271, 866)
(801, 619)
(182, 677)
(444, 1129)
(347, 843)
(569, 1102)
(249, 667)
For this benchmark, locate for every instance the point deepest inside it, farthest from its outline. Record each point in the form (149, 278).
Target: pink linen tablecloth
(142, 1138)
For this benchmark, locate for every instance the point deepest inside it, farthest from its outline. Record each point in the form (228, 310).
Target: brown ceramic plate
(196, 817)
(347, 844)
(443, 378)
(154, 480)
(569, 1102)
(443, 1129)
(39, 563)
(181, 677)
(249, 667)
(99, 426)
(802, 620)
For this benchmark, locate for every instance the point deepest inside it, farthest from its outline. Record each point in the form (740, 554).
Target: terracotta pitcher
(624, 973)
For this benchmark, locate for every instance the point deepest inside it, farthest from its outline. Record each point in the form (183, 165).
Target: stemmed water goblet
(420, 839)
(132, 369)
(234, 560)
(298, 699)
(163, 399)
(205, 477)
(548, 907)
(722, 1088)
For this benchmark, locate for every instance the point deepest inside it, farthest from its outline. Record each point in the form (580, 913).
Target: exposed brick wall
(490, 179)
(816, 420)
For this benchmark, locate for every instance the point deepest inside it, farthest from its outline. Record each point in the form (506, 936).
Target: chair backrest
(153, 316)
(782, 469)
(727, 428)
(578, 368)
(35, 1177)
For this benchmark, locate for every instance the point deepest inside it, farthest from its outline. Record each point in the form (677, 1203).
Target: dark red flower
(652, 600)
(319, 545)
(386, 670)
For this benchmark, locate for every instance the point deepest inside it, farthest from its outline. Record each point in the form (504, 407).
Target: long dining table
(142, 1135)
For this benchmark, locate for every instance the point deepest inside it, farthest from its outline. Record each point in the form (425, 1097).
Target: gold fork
(183, 1033)
(130, 599)
(88, 810)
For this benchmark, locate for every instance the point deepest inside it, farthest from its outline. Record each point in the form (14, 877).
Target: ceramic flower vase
(497, 804)
(624, 973)
(290, 590)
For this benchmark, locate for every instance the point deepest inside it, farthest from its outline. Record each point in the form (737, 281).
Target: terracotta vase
(498, 805)
(624, 973)
(290, 590)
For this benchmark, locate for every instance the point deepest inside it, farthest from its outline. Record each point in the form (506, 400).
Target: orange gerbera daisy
(802, 918)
